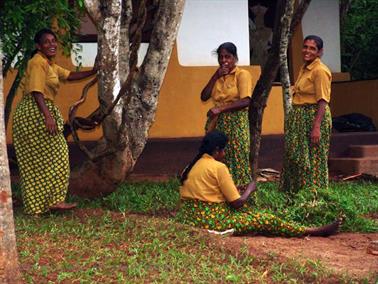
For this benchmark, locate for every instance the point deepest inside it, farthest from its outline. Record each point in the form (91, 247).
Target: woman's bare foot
(63, 206)
(326, 230)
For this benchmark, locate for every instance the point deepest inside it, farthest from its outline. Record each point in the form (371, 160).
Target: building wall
(356, 97)
(206, 24)
(180, 112)
(322, 19)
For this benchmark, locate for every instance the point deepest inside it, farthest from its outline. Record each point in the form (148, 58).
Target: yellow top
(42, 76)
(209, 180)
(313, 84)
(234, 86)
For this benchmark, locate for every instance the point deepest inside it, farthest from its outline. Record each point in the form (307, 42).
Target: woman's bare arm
(240, 202)
(49, 120)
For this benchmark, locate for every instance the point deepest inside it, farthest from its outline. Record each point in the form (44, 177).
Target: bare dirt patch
(343, 253)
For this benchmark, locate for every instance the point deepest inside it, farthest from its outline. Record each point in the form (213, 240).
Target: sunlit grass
(107, 247)
(103, 242)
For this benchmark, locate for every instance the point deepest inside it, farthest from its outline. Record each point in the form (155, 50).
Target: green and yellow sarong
(42, 158)
(236, 126)
(221, 217)
(305, 164)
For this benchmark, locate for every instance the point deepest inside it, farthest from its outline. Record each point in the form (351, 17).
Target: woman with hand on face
(309, 123)
(230, 89)
(41, 150)
(210, 199)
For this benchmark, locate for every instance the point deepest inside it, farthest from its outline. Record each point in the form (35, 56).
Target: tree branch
(264, 84)
(93, 9)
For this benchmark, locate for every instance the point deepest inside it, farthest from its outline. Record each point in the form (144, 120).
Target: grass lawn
(130, 237)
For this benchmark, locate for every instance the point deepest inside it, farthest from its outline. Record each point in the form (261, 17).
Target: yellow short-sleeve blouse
(234, 86)
(313, 84)
(42, 76)
(209, 180)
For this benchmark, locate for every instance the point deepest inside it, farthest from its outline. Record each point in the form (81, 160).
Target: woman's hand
(51, 125)
(315, 134)
(206, 92)
(251, 187)
(213, 112)
(223, 71)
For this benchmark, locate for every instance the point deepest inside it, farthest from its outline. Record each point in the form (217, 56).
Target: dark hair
(230, 47)
(212, 141)
(38, 36)
(318, 40)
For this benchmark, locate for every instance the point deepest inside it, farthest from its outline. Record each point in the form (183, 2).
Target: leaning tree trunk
(9, 268)
(126, 128)
(269, 72)
(284, 68)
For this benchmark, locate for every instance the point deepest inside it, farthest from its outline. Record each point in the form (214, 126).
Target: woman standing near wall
(41, 150)
(230, 89)
(309, 123)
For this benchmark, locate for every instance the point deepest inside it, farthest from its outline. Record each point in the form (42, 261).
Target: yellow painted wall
(357, 96)
(180, 112)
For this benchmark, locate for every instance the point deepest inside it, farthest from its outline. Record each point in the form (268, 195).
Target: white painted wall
(88, 52)
(208, 23)
(322, 19)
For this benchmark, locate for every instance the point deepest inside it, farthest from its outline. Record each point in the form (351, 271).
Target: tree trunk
(9, 268)
(10, 98)
(126, 129)
(284, 70)
(344, 7)
(264, 84)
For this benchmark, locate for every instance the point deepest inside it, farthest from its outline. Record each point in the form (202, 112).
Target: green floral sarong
(236, 126)
(305, 164)
(221, 217)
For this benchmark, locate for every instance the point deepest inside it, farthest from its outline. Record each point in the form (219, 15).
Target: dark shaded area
(353, 122)
(168, 157)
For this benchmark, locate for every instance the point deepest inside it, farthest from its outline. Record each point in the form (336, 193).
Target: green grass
(121, 248)
(353, 201)
(103, 242)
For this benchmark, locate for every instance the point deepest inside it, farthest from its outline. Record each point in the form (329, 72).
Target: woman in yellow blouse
(41, 150)
(210, 199)
(230, 89)
(309, 123)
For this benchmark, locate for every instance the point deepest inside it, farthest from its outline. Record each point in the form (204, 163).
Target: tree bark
(264, 84)
(344, 7)
(9, 268)
(10, 98)
(126, 128)
(284, 70)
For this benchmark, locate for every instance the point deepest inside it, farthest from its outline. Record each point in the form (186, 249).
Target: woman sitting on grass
(211, 200)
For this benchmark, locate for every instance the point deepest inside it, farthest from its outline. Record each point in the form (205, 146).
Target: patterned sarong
(221, 217)
(305, 164)
(236, 126)
(42, 158)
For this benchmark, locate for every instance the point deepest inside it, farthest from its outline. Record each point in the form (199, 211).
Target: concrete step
(366, 165)
(361, 151)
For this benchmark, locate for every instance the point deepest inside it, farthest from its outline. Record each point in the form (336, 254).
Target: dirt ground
(344, 252)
